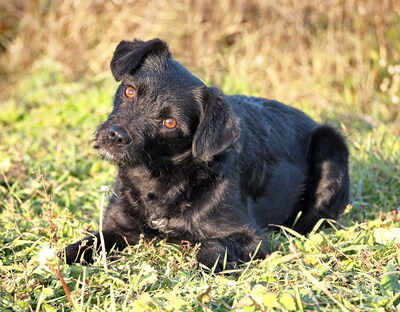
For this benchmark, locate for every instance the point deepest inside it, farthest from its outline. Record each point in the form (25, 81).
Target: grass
(50, 177)
(50, 196)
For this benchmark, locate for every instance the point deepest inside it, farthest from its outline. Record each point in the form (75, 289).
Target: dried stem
(103, 245)
(64, 285)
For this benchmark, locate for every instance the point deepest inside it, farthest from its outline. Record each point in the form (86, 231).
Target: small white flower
(259, 60)
(382, 62)
(385, 84)
(362, 10)
(48, 257)
(104, 189)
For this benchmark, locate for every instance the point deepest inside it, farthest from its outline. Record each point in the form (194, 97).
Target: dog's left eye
(130, 92)
(170, 123)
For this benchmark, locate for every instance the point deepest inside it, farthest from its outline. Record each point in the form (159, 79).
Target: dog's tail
(327, 189)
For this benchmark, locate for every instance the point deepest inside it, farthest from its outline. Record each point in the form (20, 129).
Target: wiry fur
(233, 166)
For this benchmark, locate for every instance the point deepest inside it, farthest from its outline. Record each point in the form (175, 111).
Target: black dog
(197, 165)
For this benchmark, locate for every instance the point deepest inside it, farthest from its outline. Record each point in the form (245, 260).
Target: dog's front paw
(79, 252)
(212, 255)
(160, 224)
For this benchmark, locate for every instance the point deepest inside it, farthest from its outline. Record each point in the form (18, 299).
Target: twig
(64, 285)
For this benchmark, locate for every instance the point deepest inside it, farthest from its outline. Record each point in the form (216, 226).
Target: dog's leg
(225, 253)
(327, 190)
(119, 230)
(82, 251)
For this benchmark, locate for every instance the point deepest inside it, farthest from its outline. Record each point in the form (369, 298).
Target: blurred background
(336, 57)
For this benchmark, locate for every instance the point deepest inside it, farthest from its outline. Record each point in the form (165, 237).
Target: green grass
(49, 195)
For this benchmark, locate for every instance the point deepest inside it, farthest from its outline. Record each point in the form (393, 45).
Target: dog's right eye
(170, 123)
(130, 92)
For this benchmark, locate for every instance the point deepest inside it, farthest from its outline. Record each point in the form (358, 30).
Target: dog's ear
(129, 55)
(218, 128)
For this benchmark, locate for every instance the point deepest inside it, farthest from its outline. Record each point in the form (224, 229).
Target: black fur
(233, 165)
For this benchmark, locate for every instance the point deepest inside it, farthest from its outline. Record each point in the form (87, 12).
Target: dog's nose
(118, 135)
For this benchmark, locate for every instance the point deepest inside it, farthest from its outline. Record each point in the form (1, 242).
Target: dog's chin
(118, 159)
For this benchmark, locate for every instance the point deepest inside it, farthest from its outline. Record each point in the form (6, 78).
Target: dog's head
(162, 113)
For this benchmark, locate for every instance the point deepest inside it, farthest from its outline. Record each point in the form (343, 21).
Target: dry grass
(295, 51)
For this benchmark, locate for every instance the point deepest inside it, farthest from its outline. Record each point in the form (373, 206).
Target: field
(337, 60)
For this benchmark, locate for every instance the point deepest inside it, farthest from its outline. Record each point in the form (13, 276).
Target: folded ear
(218, 127)
(129, 55)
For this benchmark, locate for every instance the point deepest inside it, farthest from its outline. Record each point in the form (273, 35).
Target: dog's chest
(164, 204)
(164, 212)
(158, 205)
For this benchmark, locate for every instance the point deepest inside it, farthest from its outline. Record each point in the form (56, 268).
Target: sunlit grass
(50, 189)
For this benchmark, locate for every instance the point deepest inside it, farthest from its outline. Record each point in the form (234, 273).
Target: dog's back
(278, 138)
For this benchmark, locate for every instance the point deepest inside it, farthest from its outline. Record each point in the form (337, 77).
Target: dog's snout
(118, 135)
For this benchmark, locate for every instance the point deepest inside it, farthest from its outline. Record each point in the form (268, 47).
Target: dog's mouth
(105, 154)
(111, 146)
(117, 156)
